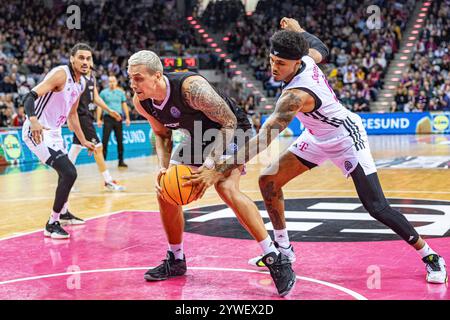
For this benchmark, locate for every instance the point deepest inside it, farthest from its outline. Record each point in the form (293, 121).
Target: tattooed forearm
(199, 94)
(289, 104)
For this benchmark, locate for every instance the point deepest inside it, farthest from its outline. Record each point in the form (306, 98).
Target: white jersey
(329, 116)
(332, 132)
(52, 109)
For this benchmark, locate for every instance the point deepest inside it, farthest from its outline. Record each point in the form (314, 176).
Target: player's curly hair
(290, 41)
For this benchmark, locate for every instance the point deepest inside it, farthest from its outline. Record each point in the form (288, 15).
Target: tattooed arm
(199, 95)
(290, 102)
(288, 105)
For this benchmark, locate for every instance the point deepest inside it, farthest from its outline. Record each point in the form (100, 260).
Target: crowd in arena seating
(425, 85)
(218, 15)
(358, 58)
(32, 41)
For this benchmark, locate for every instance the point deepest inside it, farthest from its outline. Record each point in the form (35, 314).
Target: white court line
(76, 194)
(352, 293)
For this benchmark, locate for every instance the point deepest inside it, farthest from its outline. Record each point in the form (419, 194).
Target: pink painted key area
(107, 257)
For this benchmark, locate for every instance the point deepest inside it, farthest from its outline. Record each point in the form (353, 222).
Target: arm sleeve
(316, 43)
(28, 103)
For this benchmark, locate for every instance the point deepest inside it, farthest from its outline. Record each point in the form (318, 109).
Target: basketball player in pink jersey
(48, 106)
(331, 132)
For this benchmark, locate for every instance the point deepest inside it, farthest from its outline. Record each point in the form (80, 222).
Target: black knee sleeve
(373, 199)
(67, 175)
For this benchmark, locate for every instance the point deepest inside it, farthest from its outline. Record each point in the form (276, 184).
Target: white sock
(74, 151)
(426, 251)
(267, 246)
(107, 176)
(65, 207)
(54, 216)
(282, 237)
(177, 250)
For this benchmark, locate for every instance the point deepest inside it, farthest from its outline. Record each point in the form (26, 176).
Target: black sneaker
(68, 219)
(122, 164)
(281, 271)
(55, 231)
(170, 267)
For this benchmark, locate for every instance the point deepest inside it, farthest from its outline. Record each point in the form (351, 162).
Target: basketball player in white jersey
(331, 132)
(86, 108)
(48, 106)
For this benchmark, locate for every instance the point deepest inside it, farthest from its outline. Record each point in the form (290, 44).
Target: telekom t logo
(303, 146)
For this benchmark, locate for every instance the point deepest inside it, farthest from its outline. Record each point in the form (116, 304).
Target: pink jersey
(329, 116)
(52, 109)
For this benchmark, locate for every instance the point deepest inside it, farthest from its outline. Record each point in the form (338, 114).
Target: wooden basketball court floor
(338, 258)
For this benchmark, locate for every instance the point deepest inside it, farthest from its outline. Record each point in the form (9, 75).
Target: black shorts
(87, 126)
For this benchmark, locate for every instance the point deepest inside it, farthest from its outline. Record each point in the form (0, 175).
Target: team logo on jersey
(348, 165)
(303, 146)
(172, 125)
(175, 112)
(326, 220)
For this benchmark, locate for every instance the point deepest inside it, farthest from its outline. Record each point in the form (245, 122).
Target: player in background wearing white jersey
(86, 108)
(48, 106)
(331, 132)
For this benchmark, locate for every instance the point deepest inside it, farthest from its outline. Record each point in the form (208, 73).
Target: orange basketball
(171, 184)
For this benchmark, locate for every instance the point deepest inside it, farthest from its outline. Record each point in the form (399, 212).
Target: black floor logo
(327, 220)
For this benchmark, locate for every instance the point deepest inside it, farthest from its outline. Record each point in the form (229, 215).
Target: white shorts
(52, 139)
(345, 150)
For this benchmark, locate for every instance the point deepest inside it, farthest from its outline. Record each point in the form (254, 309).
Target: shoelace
(277, 267)
(434, 264)
(164, 267)
(57, 226)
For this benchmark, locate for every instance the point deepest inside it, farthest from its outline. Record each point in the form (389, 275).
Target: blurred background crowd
(33, 41)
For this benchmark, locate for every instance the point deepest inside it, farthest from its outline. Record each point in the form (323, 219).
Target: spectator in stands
(401, 98)
(19, 118)
(361, 104)
(352, 45)
(5, 117)
(429, 66)
(272, 87)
